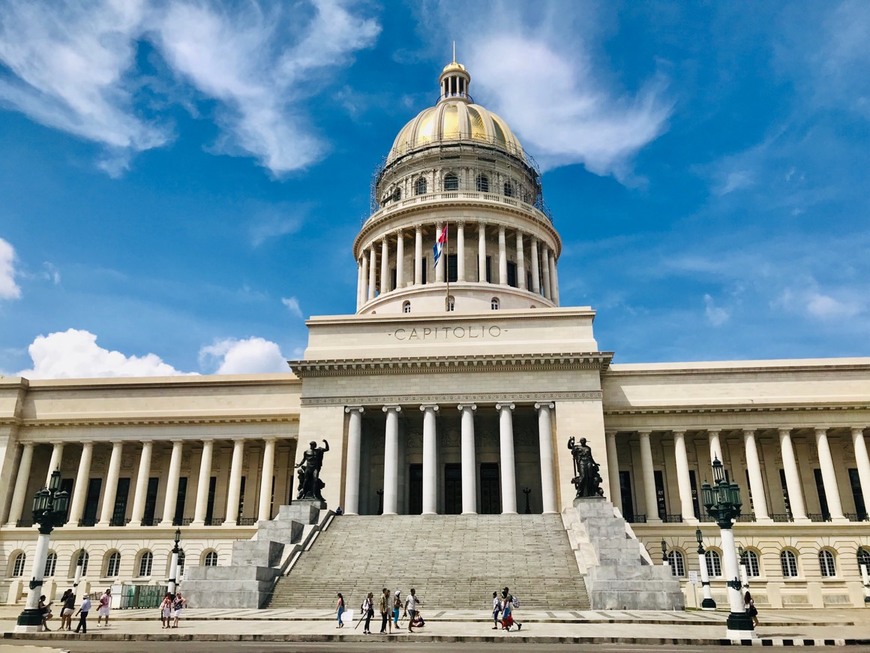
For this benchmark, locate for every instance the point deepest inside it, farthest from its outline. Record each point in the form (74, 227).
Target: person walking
(397, 606)
(368, 610)
(339, 609)
(411, 604)
(83, 610)
(751, 610)
(508, 603)
(178, 602)
(105, 607)
(385, 606)
(166, 610)
(68, 600)
(496, 610)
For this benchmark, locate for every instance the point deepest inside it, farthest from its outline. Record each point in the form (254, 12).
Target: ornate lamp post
(49, 511)
(527, 491)
(722, 502)
(664, 553)
(173, 565)
(708, 603)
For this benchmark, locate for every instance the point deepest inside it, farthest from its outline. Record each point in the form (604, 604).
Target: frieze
(473, 332)
(445, 399)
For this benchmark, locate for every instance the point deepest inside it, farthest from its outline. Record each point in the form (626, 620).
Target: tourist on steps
(368, 610)
(339, 609)
(385, 606)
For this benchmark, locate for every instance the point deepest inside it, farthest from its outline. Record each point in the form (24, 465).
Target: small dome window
(450, 303)
(420, 186)
(397, 195)
(493, 303)
(451, 181)
(406, 306)
(508, 189)
(483, 183)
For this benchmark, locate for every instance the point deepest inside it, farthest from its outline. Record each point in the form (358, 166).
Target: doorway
(490, 490)
(452, 489)
(415, 489)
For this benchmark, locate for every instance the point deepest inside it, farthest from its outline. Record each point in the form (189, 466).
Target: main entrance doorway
(452, 489)
(415, 489)
(490, 490)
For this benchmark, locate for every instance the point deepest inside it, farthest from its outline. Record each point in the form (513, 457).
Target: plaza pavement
(778, 627)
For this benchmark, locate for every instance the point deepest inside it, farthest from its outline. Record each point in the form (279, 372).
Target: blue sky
(181, 182)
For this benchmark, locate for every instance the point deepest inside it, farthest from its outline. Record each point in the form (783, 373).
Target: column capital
(509, 406)
(857, 429)
(542, 405)
(270, 438)
(678, 432)
(714, 432)
(821, 430)
(387, 409)
(610, 433)
(644, 433)
(425, 407)
(350, 409)
(784, 430)
(466, 406)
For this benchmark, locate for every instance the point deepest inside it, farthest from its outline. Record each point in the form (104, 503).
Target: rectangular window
(823, 499)
(785, 500)
(119, 514)
(857, 495)
(393, 277)
(95, 486)
(425, 270)
(209, 510)
(178, 517)
(626, 495)
(660, 494)
(452, 274)
(489, 269)
(512, 274)
(150, 501)
(693, 483)
(241, 498)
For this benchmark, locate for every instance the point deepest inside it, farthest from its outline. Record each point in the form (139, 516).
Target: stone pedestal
(617, 575)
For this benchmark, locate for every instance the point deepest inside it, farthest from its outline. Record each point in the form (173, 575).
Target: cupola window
(493, 303)
(397, 194)
(450, 303)
(451, 181)
(406, 307)
(482, 183)
(508, 189)
(420, 186)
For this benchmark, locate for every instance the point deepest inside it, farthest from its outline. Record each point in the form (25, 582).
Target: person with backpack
(367, 610)
(509, 603)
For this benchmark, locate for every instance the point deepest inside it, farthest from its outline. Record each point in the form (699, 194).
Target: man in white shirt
(411, 604)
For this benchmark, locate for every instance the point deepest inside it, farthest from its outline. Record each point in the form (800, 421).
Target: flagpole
(447, 262)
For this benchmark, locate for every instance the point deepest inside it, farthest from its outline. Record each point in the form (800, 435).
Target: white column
(80, 491)
(354, 443)
(202, 484)
(139, 495)
(430, 462)
(792, 477)
(536, 268)
(418, 256)
(373, 271)
(55, 462)
(385, 266)
(232, 516)
(730, 569)
(708, 603)
(545, 444)
(829, 476)
(506, 449)
(364, 290)
(715, 447)
(863, 463)
(481, 252)
(756, 480)
(360, 284)
(469, 460)
(440, 267)
(613, 469)
(521, 262)
(264, 510)
(460, 251)
(21, 479)
(391, 460)
(171, 497)
(546, 269)
(502, 257)
(649, 481)
(400, 259)
(111, 489)
(684, 483)
(554, 280)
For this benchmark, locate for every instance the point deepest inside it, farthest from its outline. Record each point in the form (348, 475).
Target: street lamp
(708, 603)
(664, 553)
(49, 511)
(173, 565)
(722, 502)
(527, 491)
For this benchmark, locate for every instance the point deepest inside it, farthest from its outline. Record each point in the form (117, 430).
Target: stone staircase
(453, 561)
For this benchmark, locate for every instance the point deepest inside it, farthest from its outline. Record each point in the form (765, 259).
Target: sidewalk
(779, 627)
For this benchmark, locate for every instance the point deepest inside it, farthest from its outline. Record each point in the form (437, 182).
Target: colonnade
(373, 280)
(757, 490)
(428, 416)
(137, 512)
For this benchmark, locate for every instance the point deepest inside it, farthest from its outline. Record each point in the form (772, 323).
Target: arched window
(482, 183)
(406, 306)
(113, 566)
(397, 194)
(145, 562)
(450, 303)
(677, 563)
(82, 559)
(180, 562)
(508, 189)
(50, 564)
(493, 303)
(788, 562)
(18, 567)
(211, 559)
(451, 181)
(714, 563)
(827, 564)
(864, 558)
(749, 559)
(420, 186)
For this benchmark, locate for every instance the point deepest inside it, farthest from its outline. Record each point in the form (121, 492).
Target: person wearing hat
(397, 605)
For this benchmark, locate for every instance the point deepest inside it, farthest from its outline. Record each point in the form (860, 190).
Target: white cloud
(292, 305)
(817, 304)
(8, 288)
(249, 356)
(51, 273)
(74, 68)
(716, 315)
(75, 353)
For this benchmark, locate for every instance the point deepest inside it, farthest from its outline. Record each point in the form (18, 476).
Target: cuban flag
(440, 241)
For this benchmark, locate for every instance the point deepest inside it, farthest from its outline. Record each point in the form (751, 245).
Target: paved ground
(778, 627)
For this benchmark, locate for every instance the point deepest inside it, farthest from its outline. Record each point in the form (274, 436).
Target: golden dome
(453, 67)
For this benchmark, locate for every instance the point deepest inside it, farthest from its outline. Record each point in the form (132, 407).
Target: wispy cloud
(9, 289)
(292, 305)
(716, 315)
(268, 221)
(74, 68)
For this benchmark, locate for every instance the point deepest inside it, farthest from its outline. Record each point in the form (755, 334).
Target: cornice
(436, 364)
(155, 420)
(709, 409)
(480, 398)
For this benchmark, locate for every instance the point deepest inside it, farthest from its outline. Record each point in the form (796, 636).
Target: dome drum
(466, 297)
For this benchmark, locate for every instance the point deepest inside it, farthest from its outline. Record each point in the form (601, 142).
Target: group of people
(390, 606)
(503, 610)
(68, 610)
(170, 609)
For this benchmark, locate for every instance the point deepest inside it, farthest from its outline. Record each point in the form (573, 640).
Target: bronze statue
(586, 479)
(308, 472)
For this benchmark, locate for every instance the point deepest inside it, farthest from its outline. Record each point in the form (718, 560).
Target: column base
(29, 621)
(763, 520)
(839, 520)
(229, 524)
(739, 626)
(708, 604)
(469, 512)
(195, 522)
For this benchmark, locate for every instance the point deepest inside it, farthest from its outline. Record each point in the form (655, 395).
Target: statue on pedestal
(308, 472)
(586, 479)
